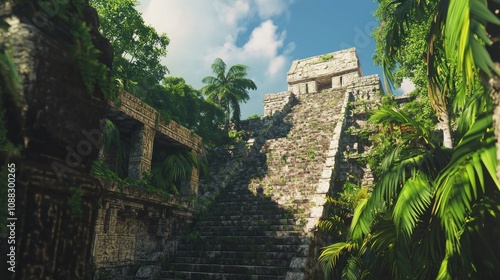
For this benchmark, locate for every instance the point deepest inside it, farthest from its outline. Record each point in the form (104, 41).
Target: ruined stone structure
(147, 132)
(53, 118)
(329, 71)
(67, 223)
(136, 230)
(270, 194)
(273, 192)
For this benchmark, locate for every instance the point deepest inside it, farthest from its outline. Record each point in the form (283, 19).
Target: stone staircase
(256, 228)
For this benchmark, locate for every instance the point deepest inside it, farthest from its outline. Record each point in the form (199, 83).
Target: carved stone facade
(146, 131)
(136, 231)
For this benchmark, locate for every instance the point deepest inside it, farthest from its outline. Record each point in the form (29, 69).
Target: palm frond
(112, 142)
(172, 168)
(331, 254)
(465, 36)
(237, 70)
(219, 68)
(388, 115)
(353, 269)
(413, 200)
(463, 181)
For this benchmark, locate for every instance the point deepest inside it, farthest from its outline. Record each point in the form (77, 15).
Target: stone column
(349, 78)
(194, 181)
(336, 82)
(302, 88)
(141, 151)
(312, 87)
(294, 88)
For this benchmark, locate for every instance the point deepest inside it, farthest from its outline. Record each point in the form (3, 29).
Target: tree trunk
(444, 122)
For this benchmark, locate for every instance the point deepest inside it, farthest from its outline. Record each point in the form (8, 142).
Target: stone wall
(56, 124)
(365, 88)
(137, 231)
(278, 102)
(327, 65)
(360, 95)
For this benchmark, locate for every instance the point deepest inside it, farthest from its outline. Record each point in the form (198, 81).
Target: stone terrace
(257, 228)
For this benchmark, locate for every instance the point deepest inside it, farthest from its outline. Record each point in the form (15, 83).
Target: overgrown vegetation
(170, 168)
(434, 207)
(138, 49)
(326, 57)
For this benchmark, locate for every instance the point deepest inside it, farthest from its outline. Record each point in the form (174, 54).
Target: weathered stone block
(298, 262)
(330, 162)
(317, 212)
(323, 186)
(326, 174)
(147, 271)
(295, 276)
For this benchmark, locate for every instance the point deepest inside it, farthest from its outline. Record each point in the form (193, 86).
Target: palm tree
(228, 89)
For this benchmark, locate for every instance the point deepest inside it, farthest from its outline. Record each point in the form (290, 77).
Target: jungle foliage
(434, 212)
(137, 67)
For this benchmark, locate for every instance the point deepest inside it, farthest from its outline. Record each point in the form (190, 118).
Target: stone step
(249, 228)
(248, 233)
(282, 262)
(248, 254)
(270, 222)
(248, 240)
(230, 269)
(247, 208)
(171, 275)
(251, 216)
(250, 236)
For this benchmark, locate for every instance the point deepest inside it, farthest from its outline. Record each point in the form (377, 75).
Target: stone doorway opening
(323, 84)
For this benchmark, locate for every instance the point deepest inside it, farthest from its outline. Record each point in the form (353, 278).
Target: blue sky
(266, 35)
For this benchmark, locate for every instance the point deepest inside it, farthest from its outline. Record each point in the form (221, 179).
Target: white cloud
(232, 14)
(407, 86)
(264, 40)
(201, 31)
(267, 8)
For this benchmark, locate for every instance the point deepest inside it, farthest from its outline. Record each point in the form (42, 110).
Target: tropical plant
(437, 206)
(113, 147)
(460, 40)
(172, 168)
(427, 188)
(228, 89)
